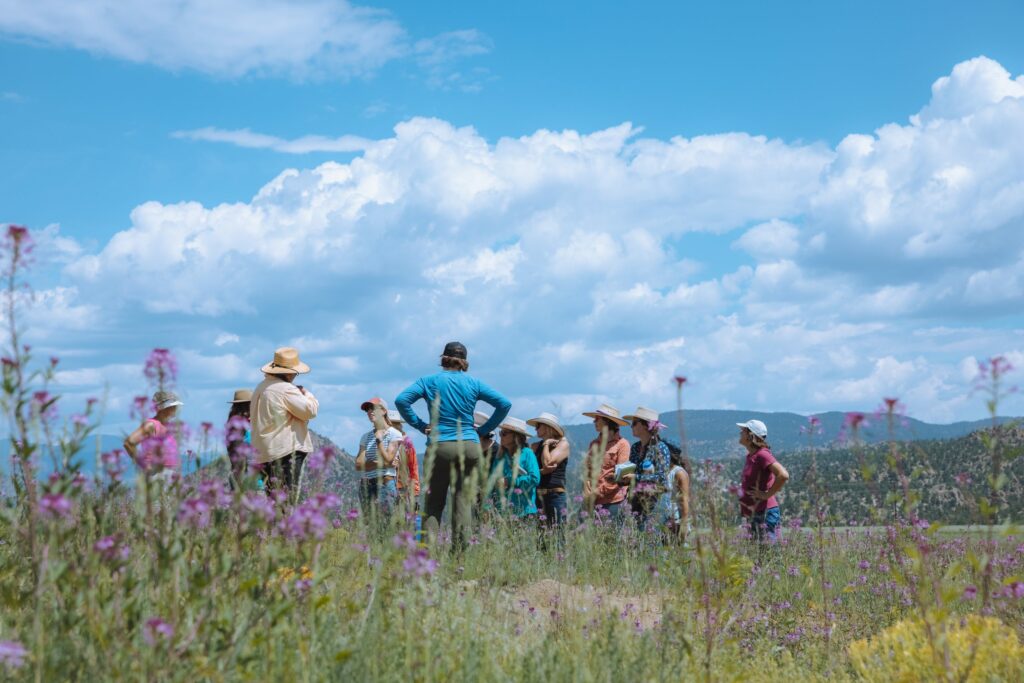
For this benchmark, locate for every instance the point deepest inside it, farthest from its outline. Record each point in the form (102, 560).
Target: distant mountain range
(713, 433)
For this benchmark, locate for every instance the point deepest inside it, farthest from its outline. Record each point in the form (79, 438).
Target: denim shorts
(765, 524)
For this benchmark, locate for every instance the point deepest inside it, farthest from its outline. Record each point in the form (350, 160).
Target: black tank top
(555, 479)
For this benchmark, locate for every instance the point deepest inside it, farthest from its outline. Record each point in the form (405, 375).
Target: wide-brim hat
(166, 399)
(756, 427)
(394, 417)
(242, 396)
(514, 424)
(480, 419)
(549, 420)
(641, 413)
(286, 362)
(608, 412)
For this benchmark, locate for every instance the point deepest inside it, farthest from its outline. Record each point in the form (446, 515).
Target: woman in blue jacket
(515, 472)
(453, 444)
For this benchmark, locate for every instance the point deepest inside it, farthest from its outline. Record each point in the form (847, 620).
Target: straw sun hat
(641, 413)
(242, 396)
(549, 420)
(609, 413)
(514, 424)
(286, 362)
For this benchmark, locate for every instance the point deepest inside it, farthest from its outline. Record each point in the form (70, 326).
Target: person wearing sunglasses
(378, 460)
(653, 461)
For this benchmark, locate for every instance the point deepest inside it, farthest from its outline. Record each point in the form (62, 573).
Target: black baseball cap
(454, 350)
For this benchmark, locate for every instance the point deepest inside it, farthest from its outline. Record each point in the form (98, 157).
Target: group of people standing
(526, 479)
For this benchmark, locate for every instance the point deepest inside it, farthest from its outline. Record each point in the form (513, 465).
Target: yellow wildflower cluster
(979, 649)
(288, 574)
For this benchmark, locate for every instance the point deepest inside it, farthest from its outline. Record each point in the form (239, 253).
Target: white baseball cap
(756, 427)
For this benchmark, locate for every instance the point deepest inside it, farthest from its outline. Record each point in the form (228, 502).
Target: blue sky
(736, 191)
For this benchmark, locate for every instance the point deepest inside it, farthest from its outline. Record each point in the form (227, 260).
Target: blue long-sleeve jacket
(455, 395)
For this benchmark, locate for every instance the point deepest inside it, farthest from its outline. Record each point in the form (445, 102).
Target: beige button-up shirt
(279, 414)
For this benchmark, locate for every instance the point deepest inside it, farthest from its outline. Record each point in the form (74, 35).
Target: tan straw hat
(608, 412)
(480, 419)
(395, 417)
(641, 413)
(242, 396)
(549, 420)
(514, 424)
(286, 362)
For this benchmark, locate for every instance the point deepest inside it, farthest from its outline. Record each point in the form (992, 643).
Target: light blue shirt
(455, 395)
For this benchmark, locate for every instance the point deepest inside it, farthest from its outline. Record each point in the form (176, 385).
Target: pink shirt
(757, 475)
(165, 454)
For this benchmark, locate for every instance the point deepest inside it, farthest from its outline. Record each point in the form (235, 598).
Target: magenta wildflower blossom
(680, 381)
(970, 592)
(1016, 589)
(156, 630)
(158, 452)
(419, 563)
(44, 404)
(213, 493)
(257, 506)
(140, 407)
(111, 549)
(55, 506)
(320, 458)
(404, 539)
(325, 501)
(305, 521)
(161, 368)
(352, 515)
(194, 513)
(236, 428)
(12, 654)
(854, 420)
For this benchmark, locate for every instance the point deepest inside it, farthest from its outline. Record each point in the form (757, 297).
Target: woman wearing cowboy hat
(553, 455)
(609, 449)
(238, 438)
(280, 413)
(653, 461)
(515, 471)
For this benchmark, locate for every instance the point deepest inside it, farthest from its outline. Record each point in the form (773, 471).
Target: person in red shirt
(763, 477)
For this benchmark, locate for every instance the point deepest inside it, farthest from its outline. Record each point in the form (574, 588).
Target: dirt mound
(549, 598)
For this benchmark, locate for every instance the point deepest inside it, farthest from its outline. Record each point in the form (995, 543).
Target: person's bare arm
(553, 457)
(387, 456)
(683, 499)
(361, 459)
(132, 441)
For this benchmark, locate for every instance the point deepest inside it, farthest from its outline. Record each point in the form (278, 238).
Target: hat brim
(169, 404)
(513, 429)
(617, 420)
(271, 369)
(241, 400)
(744, 425)
(536, 421)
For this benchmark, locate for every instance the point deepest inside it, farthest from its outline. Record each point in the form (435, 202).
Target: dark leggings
(284, 474)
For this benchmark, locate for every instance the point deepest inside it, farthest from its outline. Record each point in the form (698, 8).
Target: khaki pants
(453, 463)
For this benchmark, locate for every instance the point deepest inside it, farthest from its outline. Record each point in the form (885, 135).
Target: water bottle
(419, 528)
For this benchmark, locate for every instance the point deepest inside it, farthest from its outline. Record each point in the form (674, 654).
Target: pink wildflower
(12, 654)
(55, 506)
(157, 630)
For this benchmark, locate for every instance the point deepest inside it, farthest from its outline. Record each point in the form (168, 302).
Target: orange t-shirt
(616, 453)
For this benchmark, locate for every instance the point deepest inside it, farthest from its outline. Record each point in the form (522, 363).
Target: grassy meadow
(185, 579)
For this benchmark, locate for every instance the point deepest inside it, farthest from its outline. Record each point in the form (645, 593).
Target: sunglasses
(506, 432)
